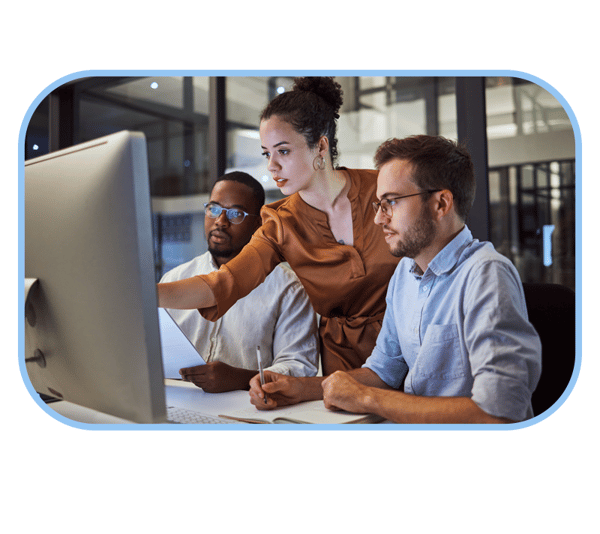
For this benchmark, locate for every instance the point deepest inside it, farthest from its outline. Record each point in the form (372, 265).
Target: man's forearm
(362, 391)
(404, 408)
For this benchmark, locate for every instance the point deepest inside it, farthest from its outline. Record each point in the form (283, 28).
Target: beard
(220, 252)
(416, 238)
(222, 249)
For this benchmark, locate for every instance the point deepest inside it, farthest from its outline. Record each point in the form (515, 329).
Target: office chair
(551, 309)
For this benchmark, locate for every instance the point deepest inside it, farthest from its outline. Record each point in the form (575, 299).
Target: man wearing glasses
(277, 315)
(455, 345)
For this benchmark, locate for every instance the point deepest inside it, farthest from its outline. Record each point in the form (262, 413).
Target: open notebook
(311, 412)
(177, 350)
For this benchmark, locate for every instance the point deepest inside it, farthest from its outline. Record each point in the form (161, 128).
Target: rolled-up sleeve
(504, 348)
(296, 340)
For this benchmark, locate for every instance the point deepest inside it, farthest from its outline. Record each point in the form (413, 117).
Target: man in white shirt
(277, 315)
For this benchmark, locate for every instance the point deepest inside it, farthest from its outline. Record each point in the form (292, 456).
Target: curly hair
(311, 107)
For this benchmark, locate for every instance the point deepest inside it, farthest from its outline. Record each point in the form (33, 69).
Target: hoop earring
(319, 165)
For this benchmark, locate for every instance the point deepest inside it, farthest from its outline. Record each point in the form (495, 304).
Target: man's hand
(279, 390)
(217, 377)
(342, 392)
(369, 394)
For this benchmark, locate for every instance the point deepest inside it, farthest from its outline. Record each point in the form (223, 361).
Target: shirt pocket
(440, 362)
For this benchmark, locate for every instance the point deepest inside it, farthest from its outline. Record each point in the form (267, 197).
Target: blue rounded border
(240, 73)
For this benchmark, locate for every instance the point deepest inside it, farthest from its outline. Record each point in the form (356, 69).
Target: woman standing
(324, 229)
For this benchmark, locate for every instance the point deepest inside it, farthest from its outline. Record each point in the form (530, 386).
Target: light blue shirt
(461, 330)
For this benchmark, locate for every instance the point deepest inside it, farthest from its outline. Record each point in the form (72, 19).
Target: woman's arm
(187, 294)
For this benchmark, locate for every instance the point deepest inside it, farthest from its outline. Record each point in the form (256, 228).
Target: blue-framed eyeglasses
(235, 215)
(386, 204)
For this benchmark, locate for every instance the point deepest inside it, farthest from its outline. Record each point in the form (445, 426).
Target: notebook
(177, 350)
(311, 412)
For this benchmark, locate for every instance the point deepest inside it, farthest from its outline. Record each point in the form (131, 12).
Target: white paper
(177, 350)
(310, 412)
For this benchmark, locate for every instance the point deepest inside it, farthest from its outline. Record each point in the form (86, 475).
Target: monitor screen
(91, 328)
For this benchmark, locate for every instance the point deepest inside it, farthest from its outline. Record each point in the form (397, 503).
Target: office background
(528, 481)
(199, 127)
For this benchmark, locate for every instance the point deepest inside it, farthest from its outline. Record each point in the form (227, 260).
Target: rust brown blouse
(346, 284)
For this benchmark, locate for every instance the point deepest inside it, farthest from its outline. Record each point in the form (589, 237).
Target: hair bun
(325, 87)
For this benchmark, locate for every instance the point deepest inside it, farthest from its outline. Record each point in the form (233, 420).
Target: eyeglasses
(386, 204)
(235, 215)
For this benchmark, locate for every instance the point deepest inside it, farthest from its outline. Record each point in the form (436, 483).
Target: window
(531, 149)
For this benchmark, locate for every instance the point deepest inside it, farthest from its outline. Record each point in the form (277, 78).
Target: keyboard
(175, 414)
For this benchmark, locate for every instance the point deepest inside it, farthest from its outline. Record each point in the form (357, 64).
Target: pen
(260, 370)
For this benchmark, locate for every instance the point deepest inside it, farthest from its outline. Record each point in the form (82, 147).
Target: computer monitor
(91, 328)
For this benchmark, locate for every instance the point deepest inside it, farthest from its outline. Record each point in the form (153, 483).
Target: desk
(177, 392)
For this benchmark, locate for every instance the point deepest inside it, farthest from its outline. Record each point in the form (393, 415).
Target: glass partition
(531, 149)
(531, 180)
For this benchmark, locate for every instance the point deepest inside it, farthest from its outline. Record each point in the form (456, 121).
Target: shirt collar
(447, 258)
(212, 262)
(299, 204)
